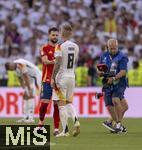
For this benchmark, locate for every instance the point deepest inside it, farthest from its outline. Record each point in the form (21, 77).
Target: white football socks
(25, 109)
(72, 112)
(28, 109)
(64, 118)
(31, 108)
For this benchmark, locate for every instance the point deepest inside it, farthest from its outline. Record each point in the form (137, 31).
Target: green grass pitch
(94, 136)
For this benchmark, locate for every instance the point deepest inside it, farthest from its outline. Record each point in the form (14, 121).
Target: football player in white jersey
(63, 79)
(30, 80)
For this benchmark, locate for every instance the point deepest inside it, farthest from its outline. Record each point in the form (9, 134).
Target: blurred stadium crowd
(24, 26)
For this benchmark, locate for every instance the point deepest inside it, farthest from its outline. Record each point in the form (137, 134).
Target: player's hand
(30, 93)
(110, 80)
(25, 96)
(53, 84)
(100, 73)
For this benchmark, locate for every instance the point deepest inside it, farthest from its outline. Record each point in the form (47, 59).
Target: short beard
(54, 42)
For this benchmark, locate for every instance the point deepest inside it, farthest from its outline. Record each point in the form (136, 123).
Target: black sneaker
(124, 129)
(118, 128)
(112, 131)
(108, 125)
(116, 131)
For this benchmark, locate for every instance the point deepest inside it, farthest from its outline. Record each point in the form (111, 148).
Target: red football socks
(56, 116)
(42, 110)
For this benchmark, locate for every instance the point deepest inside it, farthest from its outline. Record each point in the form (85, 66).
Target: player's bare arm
(58, 61)
(117, 77)
(22, 82)
(120, 74)
(45, 60)
(26, 79)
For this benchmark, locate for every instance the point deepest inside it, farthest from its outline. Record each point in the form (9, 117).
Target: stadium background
(24, 26)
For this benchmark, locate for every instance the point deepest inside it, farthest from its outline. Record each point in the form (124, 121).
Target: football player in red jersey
(47, 57)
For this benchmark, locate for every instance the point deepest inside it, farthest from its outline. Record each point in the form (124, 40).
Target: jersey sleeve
(43, 51)
(58, 52)
(123, 63)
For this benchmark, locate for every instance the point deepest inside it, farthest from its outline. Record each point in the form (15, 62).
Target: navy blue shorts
(108, 98)
(46, 91)
(118, 92)
(109, 93)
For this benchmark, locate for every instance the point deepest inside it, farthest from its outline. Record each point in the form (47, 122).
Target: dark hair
(7, 65)
(135, 64)
(53, 29)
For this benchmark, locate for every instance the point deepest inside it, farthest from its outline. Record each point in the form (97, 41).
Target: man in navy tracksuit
(114, 83)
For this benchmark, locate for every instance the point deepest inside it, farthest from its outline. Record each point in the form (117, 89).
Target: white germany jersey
(69, 52)
(27, 67)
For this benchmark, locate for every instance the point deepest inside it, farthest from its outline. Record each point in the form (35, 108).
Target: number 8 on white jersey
(69, 53)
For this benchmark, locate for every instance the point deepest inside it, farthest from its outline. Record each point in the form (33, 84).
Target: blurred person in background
(12, 77)
(140, 60)
(2, 31)
(30, 49)
(15, 52)
(131, 56)
(135, 75)
(94, 48)
(3, 73)
(12, 35)
(25, 31)
(40, 34)
(138, 48)
(92, 73)
(81, 72)
(110, 23)
(121, 36)
(35, 13)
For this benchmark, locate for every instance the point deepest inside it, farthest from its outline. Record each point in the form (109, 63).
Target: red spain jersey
(47, 69)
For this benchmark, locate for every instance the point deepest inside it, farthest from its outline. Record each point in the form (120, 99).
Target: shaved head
(112, 45)
(112, 42)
